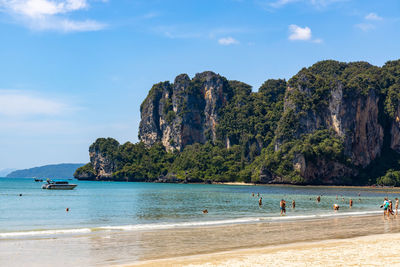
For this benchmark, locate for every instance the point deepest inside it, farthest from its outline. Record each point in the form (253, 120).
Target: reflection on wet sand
(119, 247)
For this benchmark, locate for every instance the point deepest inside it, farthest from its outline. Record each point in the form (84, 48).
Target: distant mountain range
(58, 171)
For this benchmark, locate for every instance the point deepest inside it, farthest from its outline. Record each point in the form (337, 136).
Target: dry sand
(374, 250)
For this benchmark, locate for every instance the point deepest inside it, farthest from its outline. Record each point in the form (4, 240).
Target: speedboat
(58, 185)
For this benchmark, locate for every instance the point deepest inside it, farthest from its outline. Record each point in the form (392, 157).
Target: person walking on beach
(351, 203)
(396, 206)
(282, 206)
(293, 204)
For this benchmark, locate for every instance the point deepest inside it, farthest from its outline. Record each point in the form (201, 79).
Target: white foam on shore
(154, 226)
(161, 226)
(45, 232)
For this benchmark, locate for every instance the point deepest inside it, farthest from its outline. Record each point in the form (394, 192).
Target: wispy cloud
(21, 103)
(315, 3)
(50, 14)
(373, 16)
(228, 41)
(371, 20)
(280, 3)
(365, 26)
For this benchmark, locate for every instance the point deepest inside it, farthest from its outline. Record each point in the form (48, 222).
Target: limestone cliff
(331, 123)
(185, 112)
(316, 101)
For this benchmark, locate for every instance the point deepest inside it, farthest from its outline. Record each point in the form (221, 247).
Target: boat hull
(59, 187)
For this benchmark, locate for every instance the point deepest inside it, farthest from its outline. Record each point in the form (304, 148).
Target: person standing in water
(385, 207)
(318, 199)
(396, 205)
(260, 202)
(293, 204)
(351, 203)
(282, 205)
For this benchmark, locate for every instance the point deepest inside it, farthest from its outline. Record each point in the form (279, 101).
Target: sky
(75, 70)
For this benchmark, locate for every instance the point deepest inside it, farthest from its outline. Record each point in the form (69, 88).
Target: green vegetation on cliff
(331, 123)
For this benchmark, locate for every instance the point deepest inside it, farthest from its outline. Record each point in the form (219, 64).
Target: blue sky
(75, 70)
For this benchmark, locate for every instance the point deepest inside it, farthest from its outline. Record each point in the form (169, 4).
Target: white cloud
(228, 41)
(373, 16)
(20, 103)
(49, 14)
(365, 26)
(299, 33)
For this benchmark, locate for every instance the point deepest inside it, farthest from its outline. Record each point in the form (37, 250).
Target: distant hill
(4, 172)
(58, 171)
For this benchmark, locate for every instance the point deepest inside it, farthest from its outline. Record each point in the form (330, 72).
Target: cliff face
(103, 165)
(102, 160)
(185, 112)
(352, 115)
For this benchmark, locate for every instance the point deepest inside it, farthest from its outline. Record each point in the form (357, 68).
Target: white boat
(58, 185)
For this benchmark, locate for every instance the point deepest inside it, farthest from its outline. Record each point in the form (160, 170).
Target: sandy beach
(374, 250)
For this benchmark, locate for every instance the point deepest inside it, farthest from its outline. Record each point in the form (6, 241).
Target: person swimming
(282, 206)
(205, 211)
(336, 207)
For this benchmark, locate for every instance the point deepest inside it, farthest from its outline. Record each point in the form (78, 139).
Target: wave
(45, 232)
(162, 226)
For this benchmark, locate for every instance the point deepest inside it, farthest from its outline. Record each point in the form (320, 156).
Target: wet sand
(104, 248)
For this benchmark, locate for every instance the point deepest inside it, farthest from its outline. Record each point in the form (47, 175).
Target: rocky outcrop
(353, 116)
(185, 112)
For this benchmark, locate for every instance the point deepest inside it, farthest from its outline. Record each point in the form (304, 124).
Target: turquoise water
(117, 205)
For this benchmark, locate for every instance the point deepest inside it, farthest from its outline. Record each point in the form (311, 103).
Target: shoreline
(205, 245)
(364, 250)
(250, 184)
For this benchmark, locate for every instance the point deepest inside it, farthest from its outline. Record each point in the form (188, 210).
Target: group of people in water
(388, 207)
(282, 203)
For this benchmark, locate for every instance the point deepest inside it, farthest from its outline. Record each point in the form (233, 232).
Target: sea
(26, 209)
